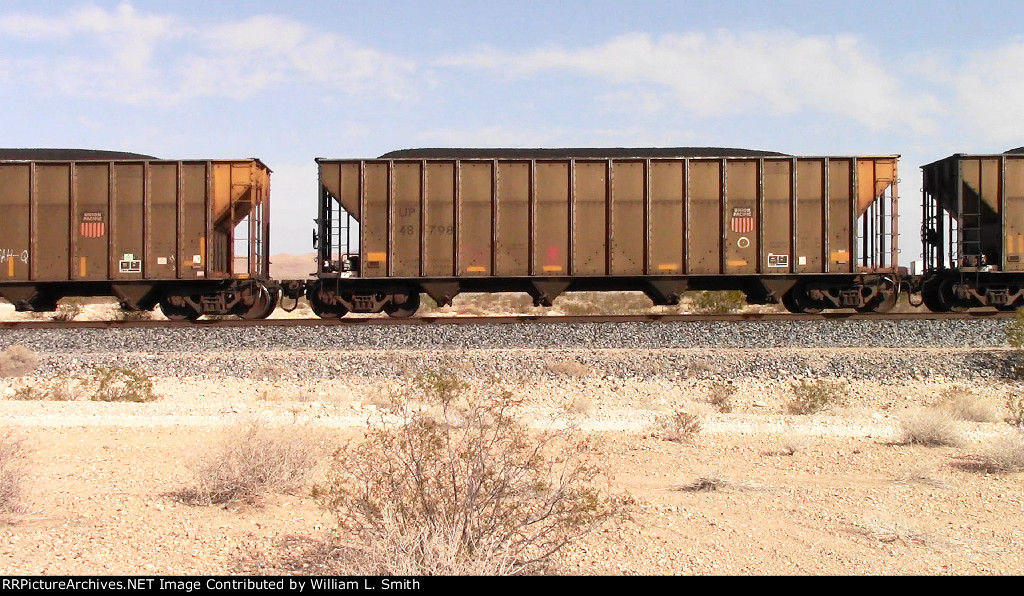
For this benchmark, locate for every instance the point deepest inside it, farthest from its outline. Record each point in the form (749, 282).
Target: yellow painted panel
(377, 256)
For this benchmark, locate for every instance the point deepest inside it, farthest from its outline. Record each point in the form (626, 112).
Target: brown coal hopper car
(190, 236)
(811, 232)
(973, 232)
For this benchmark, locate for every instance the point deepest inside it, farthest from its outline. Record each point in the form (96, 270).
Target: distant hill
(287, 266)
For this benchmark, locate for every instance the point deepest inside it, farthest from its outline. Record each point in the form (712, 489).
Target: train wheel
(323, 309)
(173, 312)
(264, 305)
(886, 303)
(947, 296)
(883, 302)
(406, 309)
(932, 299)
(797, 301)
(787, 301)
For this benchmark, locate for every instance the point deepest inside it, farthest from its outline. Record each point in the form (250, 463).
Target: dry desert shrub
(893, 530)
(380, 399)
(704, 484)
(603, 303)
(122, 314)
(720, 396)
(929, 426)
(792, 444)
(17, 361)
(923, 475)
(270, 371)
(1004, 454)
(67, 311)
(1015, 405)
(680, 427)
(714, 482)
(63, 388)
(12, 472)
(701, 368)
(114, 384)
(461, 487)
(568, 368)
(491, 304)
(962, 404)
(252, 461)
(810, 397)
(582, 406)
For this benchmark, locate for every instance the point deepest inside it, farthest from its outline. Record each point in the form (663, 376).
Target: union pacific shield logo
(92, 225)
(742, 221)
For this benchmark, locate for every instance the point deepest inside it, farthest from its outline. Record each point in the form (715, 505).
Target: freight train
(811, 232)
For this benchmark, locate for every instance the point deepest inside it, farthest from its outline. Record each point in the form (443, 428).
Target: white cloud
(731, 73)
(115, 62)
(123, 21)
(241, 58)
(128, 56)
(990, 91)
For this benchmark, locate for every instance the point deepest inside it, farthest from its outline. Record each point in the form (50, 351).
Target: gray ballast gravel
(960, 333)
(883, 350)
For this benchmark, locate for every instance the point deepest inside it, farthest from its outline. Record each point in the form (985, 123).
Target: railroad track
(508, 320)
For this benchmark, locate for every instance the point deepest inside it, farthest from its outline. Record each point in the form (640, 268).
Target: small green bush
(810, 397)
(718, 302)
(123, 384)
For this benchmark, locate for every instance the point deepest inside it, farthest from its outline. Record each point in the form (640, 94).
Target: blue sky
(290, 82)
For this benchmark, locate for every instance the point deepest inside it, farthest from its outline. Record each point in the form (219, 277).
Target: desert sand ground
(835, 492)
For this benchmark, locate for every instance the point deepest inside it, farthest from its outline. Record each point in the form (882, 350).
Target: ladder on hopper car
(970, 230)
(877, 234)
(341, 239)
